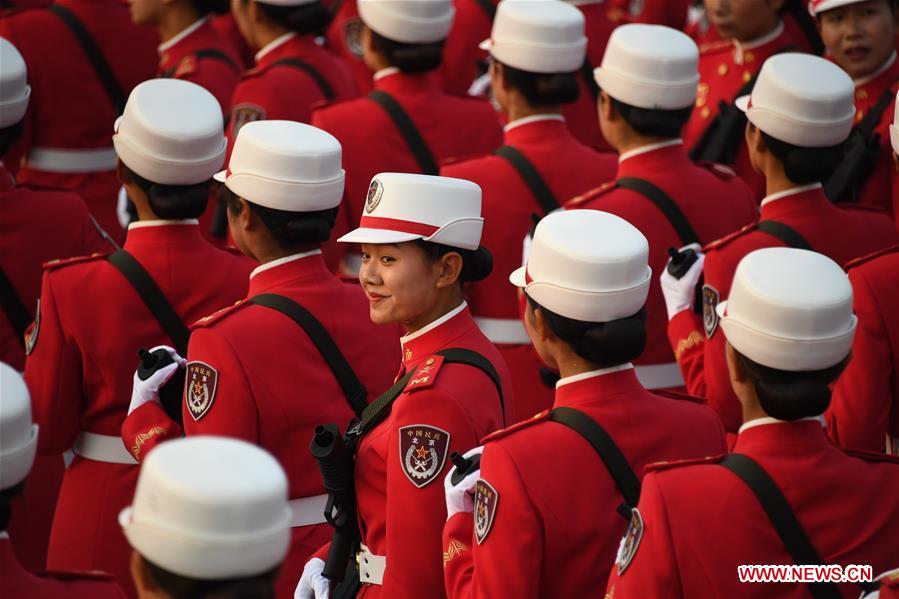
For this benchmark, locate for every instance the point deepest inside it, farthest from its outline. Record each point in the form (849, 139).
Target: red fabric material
(396, 224)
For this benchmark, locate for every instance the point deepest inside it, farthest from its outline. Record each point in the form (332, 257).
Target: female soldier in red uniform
(420, 240)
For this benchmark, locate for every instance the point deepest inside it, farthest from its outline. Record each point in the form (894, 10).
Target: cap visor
(377, 236)
(742, 102)
(220, 176)
(517, 277)
(486, 44)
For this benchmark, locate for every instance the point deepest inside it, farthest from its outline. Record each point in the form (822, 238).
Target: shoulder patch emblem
(485, 501)
(423, 450)
(246, 113)
(710, 299)
(375, 191)
(202, 382)
(352, 36)
(630, 542)
(425, 374)
(31, 336)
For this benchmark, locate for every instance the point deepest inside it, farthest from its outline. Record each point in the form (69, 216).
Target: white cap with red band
(403, 207)
(789, 309)
(587, 265)
(816, 7)
(803, 100)
(538, 36)
(14, 88)
(18, 434)
(286, 166)
(650, 66)
(171, 132)
(210, 508)
(408, 21)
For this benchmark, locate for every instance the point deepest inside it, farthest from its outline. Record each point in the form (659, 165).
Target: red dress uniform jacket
(21, 584)
(865, 406)
(878, 190)
(69, 124)
(178, 59)
(671, 13)
(840, 234)
(227, 28)
(452, 128)
(282, 92)
(90, 325)
(37, 226)
(401, 516)
(461, 54)
(724, 68)
(568, 168)
(701, 522)
(560, 540)
(272, 387)
(714, 202)
(344, 39)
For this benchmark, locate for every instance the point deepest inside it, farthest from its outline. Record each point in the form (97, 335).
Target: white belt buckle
(371, 566)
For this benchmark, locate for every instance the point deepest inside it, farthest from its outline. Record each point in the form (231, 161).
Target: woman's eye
(387, 259)
(365, 257)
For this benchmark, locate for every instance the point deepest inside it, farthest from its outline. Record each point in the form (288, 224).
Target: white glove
(312, 584)
(148, 390)
(460, 498)
(679, 293)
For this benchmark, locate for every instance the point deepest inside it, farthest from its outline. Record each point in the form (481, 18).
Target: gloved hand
(460, 498)
(679, 293)
(312, 584)
(148, 390)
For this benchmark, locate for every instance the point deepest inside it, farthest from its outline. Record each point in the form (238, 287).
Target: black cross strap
(13, 307)
(153, 297)
(783, 518)
(664, 203)
(322, 83)
(410, 133)
(530, 176)
(202, 54)
(99, 63)
(353, 389)
(622, 473)
(380, 408)
(785, 233)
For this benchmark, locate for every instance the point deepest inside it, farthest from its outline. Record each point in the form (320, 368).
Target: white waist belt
(371, 566)
(503, 330)
(54, 160)
(102, 448)
(308, 510)
(660, 376)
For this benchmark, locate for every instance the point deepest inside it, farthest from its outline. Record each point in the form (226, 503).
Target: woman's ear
(449, 268)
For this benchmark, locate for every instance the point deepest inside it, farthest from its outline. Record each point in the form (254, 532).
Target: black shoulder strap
(217, 55)
(414, 140)
(352, 388)
(488, 7)
(664, 203)
(153, 297)
(379, 408)
(320, 81)
(13, 307)
(622, 473)
(531, 177)
(87, 43)
(587, 72)
(870, 121)
(782, 517)
(785, 233)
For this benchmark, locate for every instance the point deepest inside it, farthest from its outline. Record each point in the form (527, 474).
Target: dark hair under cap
(311, 18)
(172, 202)
(543, 89)
(409, 58)
(654, 122)
(259, 586)
(476, 264)
(290, 229)
(805, 165)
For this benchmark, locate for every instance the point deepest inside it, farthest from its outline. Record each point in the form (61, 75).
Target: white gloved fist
(312, 584)
(460, 498)
(148, 390)
(679, 293)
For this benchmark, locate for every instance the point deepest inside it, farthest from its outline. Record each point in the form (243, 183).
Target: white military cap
(286, 166)
(14, 88)
(650, 66)
(587, 265)
(210, 508)
(409, 21)
(789, 309)
(894, 127)
(18, 435)
(171, 132)
(402, 207)
(538, 36)
(816, 7)
(801, 99)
